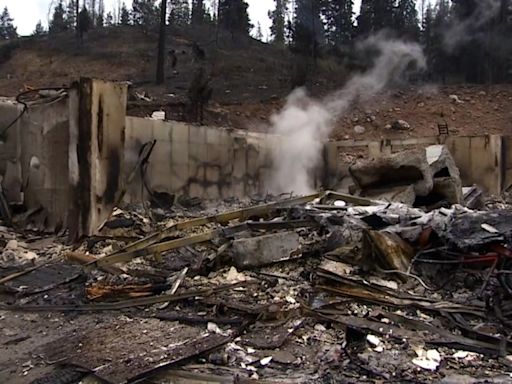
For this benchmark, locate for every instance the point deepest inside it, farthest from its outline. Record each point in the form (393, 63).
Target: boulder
(401, 125)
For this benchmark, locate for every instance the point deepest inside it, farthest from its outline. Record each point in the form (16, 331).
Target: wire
(27, 104)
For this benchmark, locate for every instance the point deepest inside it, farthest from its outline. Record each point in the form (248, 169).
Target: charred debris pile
(408, 279)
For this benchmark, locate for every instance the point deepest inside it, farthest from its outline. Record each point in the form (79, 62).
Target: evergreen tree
(145, 13)
(278, 22)
(406, 19)
(365, 18)
(374, 16)
(100, 15)
(109, 20)
(437, 56)
(338, 19)
(383, 14)
(179, 13)
(7, 28)
(427, 28)
(233, 17)
(198, 12)
(258, 34)
(84, 22)
(39, 30)
(308, 34)
(125, 15)
(71, 14)
(58, 22)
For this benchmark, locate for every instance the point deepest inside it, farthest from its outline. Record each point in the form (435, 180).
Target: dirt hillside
(250, 81)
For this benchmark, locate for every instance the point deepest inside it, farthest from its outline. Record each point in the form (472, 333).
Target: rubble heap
(328, 287)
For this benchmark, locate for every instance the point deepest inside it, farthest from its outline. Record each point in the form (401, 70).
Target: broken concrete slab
(263, 250)
(441, 162)
(450, 188)
(404, 195)
(447, 181)
(400, 169)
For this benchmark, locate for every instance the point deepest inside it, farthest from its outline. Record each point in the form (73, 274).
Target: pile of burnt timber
(328, 287)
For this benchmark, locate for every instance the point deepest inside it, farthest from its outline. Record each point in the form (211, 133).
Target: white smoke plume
(304, 123)
(462, 31)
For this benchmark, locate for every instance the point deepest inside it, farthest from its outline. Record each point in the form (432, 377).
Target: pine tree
(258, 35)
(109, 20)
(7, 28)
(278, 22)
(71, 14)
(100, 15)
(406, 19)
(383, 14)
(145, 13)
(338, 16)
(365, 18)
(198, 12)
(39, 30)
(179, 13)
(375, 15)
(84, 22)
(308, 34)
(427, 28)
(125, 18)
(58, 22)
(233, 17)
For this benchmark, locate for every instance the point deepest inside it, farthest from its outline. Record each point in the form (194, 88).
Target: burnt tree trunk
(160, 65)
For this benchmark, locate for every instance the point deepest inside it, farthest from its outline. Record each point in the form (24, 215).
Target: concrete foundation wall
(9, 111)
(483, 160)
(199, 161)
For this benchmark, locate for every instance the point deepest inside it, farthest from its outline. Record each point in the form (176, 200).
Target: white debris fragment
(266, 360)
(233, 275)
(373, 340)
(214, 328)
(340, 203)
(429, 360)
(320, 328)
(489, 228)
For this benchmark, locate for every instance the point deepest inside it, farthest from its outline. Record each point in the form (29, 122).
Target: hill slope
(250, 80)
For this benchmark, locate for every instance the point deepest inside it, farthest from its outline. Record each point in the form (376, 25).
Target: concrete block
(252, 161)
(179, 153)
(196, 135)
(239, 162)
(238, 189)
(264, 250)
(213, 135)
(212, 192)
(197, 172)
(196, 190)
(212, 174)
(197, 153)
(179, 132)
(161, 131)
(179, 177)
(214, 154)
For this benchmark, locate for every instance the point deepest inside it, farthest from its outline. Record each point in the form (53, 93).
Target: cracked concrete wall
(194, 161)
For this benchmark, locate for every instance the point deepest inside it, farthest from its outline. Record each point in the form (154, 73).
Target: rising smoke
(304, 122)
(462, 31)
